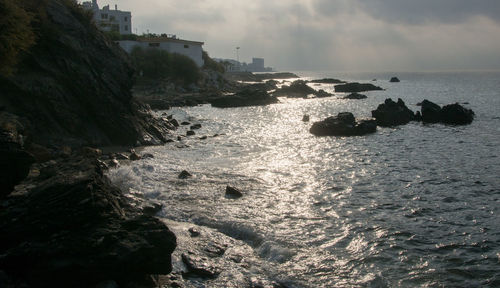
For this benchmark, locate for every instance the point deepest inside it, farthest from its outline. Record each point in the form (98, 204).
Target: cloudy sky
(337, 35)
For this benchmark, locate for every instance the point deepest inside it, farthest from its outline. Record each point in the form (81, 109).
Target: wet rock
(355, 96)
(184, 175)
(134, 156)
(392, 113)
(147, 156)
(193, 232)
(305, 118)
(185, 123)
(233, 192)
(200, 266)
(203, 137)
(327, 81)
(195, 127)
(344, 124)
(152, 209)
(456, 114)
(121, 156)
(174, 122)
(356, 87)
(248, 96)
(394, 80)
(431, 112)
(76, 229)
(214, 249)
(179, 138)
(91, 152)
(299, 89)
(190, 133)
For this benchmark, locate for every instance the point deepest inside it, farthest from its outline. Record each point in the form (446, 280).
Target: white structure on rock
(110, 20)
(172, 44)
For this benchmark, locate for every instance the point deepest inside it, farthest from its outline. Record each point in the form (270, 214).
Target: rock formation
(356, 87)
(344, 124)
(392, 113)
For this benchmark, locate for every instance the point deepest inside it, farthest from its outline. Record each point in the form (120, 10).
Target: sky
(333, 35)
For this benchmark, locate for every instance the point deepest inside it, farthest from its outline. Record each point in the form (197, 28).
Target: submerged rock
(344, 124)
(233, 192)
(184, 175)
(300, 89)
(394, 80)
(392, 113)
(356, 87)
(247, 97)
(327, 81)
(355, 96)
(456, 114)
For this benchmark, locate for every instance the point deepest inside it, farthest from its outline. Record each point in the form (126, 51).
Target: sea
(416, 205)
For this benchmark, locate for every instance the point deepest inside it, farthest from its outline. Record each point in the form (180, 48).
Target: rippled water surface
(417, 205)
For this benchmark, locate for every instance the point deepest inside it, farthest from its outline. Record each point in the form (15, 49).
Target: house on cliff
(110, 20)
(169, 43)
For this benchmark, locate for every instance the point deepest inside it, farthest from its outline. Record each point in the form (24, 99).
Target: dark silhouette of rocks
(453, 114)
(184, 175)
(75, 229)
(344, 124)
(249, 96)
(356, 87)
(305, 118)
(299, 89)
(233, 192)
(327, 81)
(355, 96)
(392, 113)
(394, 80)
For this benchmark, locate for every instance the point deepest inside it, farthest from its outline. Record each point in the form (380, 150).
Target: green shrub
(211, 64)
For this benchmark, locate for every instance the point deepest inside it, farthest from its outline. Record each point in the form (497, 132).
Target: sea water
(414, 205)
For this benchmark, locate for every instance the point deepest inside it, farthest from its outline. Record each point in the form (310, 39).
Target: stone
(355, 96)
(305, 118)
(200, 266)
(193, 232)
(147, 156)
(174, 122)
(195, 127)
(233, 192)
(184, 175)
(185, 123)
(248, 96)
(392, 113)
(152, 209)
(190, 133)
(456, 114)
(344, 124)
(203, 137)
(431, 112)
(394, 80)
(299, 89)
(327, 81)
(121, 156)
(134, 156)
(356, 87)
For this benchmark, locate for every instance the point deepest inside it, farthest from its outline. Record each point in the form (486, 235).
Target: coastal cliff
(66, 225)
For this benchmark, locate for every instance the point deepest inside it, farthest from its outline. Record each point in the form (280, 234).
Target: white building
(192, 49)
(110, 20)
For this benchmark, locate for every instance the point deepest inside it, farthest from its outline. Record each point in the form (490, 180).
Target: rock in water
(247, 97)
(356, 87)
(394, 80)
(355, 96)
(456, 114)
(233, 192)
(392, 113)
(431, 112)
(77, 229)
(305, 118)
(344, 124)
(184, 175)
(300, 89)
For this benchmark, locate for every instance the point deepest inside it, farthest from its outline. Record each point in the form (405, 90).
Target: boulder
(356, 87)
(190, 133)
(195, 127)
(431, 112)
(355, 96)
(246, 97)
(233, 192)
(184, 175)
(200, 266)
(392, 113)
(305, 118)
(75, 229)
(299, 89)
(327, 81)
(394, 80)
(456, 114)
(344, 124)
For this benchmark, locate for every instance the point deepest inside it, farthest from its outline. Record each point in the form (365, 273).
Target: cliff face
(73, 87)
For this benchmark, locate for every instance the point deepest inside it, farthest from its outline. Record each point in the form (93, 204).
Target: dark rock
(194, 232)
(185, 123)
(190, 133)
(174, 122)
(392, 113)
(179, 138)
(41, 153)
(418, 116)
(431, 112)
(184, 175)
(91, 152)
(147, 156)
(355, 96)
(233, 192)
(344, 124)
(394, 80)
(134, 156)
(246, 97)
(76, 229)
(195, 126)
(200, 266)
(152, 209)
(327, 81)
(299, 89)
(113, 163)
(204, 137)
(356, 87)
(121, 156)
(305, 118)
(456, 114)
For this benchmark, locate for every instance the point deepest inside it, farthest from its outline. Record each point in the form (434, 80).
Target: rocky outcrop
(355, 96)
(73, 87)
(75, 229)
(247, 97)
(344, 124)
(394, 80)
(392, 113)
(453, 114)
(299, 89)
(356, 87)
(327, 81)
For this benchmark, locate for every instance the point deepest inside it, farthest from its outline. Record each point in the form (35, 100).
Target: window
(186, 46)
(104, 16)
(125, 28)
(112, 18)
(125, 18)
(154, 44)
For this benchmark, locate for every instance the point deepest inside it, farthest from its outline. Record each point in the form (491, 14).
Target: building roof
(168, 39)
